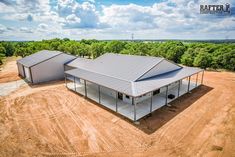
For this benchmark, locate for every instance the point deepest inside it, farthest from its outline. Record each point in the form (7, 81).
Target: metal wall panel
(52, 69)
(20, 69)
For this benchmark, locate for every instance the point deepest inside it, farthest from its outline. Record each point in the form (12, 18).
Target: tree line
(204, 55)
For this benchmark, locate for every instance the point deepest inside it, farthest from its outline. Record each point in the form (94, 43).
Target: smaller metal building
(43, 66)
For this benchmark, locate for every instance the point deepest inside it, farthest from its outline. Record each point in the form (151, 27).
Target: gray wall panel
(20, 69)
(52, 69)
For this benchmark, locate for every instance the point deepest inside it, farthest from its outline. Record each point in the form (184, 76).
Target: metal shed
(43, 66)
(133, 86)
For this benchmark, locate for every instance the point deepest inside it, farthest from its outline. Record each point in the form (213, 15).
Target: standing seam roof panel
(38, 57)
(125, 67)
(134, 88)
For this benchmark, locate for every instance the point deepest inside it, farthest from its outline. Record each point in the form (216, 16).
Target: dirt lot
(8, 72)
(49, 120)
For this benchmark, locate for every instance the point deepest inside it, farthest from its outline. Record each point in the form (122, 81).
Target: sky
(22, 20)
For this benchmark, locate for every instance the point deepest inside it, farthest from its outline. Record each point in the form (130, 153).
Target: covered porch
(133, 108)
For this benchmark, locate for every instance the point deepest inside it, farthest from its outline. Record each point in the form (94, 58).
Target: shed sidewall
(52, 69)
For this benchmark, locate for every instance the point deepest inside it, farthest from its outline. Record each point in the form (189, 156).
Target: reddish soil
(9, 72)
(49, 120)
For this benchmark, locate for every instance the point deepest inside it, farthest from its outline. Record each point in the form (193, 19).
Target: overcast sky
(112, 19)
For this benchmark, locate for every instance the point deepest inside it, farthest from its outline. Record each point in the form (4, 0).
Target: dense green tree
(114, 46)
(9, 48)
(203, 60)
(188, 57)
(201, 54)
(97, 49)
(2, 53)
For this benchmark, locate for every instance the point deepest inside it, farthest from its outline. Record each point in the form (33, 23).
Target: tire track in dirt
(208, 113)
(36, 127)
(59, 130)
(84, 124)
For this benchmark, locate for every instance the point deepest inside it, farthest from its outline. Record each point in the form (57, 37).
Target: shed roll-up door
(27, 74)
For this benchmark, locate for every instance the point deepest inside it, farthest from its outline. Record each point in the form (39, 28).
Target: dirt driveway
(49, 120)
(9, 71)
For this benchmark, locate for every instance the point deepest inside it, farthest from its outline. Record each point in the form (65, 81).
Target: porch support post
(116, 101)
(179, 89)
(99, 93)
(166, 94)
(189, 83)
(196, 79)
(151, 102)
(74, 83)
(65, 79)
(133, 103)
(202, 77)
(85, 88)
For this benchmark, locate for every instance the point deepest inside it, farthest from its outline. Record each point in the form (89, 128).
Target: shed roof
(38, 57)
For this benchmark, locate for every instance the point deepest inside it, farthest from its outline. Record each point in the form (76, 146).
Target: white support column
(151, 102)
(99, 94)
(189, 83)
(133, 103)
(166, 94)
(85, 88)
(116, 101)
(179, 88)
(202, 77)
(74, 83)
(65, 79)
(196, 79)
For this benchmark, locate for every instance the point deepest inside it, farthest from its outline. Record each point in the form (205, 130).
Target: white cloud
(78, 15)
(25, 30)
(2, 28)
(129, 17)
(70, 18)
(43, 26)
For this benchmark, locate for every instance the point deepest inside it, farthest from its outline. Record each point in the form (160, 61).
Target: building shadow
(154, 121)
(45, 84)
(151, 123)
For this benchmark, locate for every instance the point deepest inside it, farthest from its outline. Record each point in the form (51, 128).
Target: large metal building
(43, 66)
(132, 86)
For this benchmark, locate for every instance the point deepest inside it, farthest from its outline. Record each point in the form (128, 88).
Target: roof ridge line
(150, 68)
(105, 75)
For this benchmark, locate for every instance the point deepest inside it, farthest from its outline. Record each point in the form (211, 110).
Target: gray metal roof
(151, 84)
(79, 62)
(124, 67)
(38, 57)
(133, 88)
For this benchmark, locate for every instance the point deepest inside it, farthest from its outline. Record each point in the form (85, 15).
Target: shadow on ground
(160, 117)
(152, 122)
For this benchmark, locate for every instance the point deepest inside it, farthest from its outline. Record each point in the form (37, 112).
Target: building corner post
(133, 103)
(74, 81)
(151, 102)
(116, 101)
(99, 93)
(202, 76)
(179, 88)
(196, 79)
(189, 83)
(85, 88)
(65, 80)
(166, 95)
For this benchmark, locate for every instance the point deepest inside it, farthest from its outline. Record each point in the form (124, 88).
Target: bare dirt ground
(8, 72)
(49, 120)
